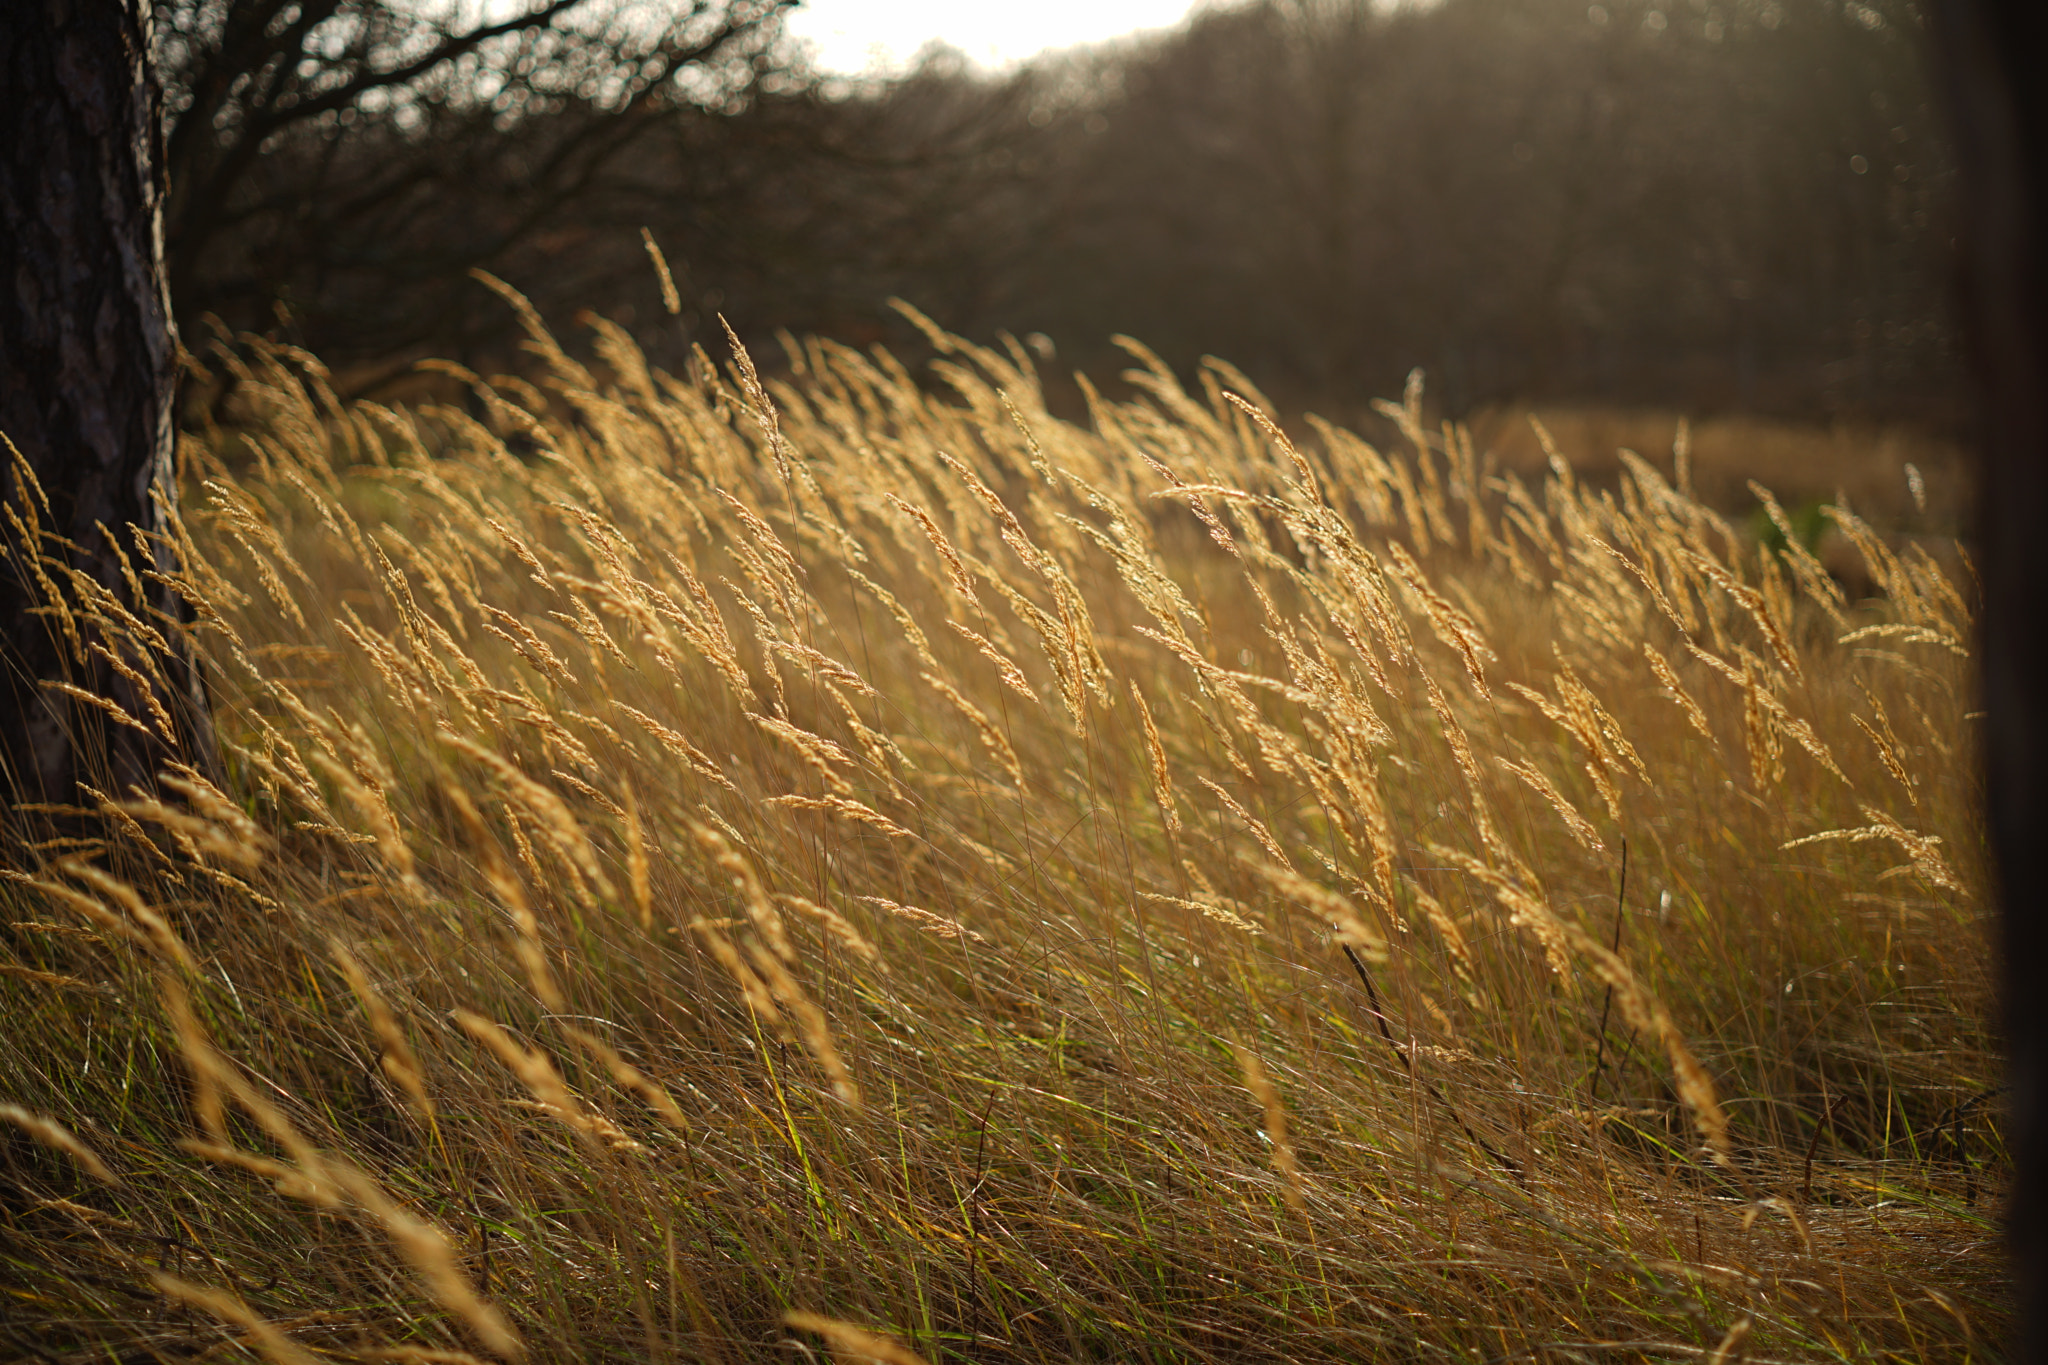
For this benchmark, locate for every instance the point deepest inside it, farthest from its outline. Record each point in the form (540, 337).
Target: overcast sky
(853, 37)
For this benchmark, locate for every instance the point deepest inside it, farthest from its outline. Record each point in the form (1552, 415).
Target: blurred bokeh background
(1733, 209)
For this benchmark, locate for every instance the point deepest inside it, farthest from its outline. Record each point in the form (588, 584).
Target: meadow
(716, 868)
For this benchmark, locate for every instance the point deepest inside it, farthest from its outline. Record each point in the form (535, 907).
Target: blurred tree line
(1719, 204)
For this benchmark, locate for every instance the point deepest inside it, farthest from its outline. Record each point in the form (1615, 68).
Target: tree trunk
(88, 364)
(1999, 105)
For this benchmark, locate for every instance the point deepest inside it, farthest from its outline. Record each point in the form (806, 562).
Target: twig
(1827, 1120)
(1372, 996)
(967, 1203)
(981, 1146)
(1620, 906)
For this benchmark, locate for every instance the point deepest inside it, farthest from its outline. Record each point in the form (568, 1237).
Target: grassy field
(723, 870)
(1868, 467)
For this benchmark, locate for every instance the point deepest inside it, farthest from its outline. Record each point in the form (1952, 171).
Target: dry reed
(683, 718)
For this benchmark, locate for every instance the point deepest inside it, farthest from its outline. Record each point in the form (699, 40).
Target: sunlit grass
(709, 864)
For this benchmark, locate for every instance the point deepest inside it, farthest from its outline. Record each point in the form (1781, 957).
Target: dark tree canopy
(343, 132)
(1745, 205)
(1736, 205)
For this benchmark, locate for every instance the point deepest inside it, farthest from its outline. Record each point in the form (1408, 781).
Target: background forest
(1706, 205)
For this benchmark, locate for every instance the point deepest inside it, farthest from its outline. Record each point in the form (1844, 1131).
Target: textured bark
(88, 363)
(1999, 101)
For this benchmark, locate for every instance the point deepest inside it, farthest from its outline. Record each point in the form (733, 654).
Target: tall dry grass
(716, 868)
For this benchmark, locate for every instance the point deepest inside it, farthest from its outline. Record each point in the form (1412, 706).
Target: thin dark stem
(973, 1192)
(1372, 997)
(1826, 1122)
(1606, 1004)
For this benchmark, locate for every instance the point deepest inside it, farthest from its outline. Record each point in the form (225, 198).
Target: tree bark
(1999, 106)
(88, 365)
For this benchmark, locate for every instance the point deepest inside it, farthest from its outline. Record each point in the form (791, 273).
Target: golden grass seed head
(1275, 1113)
(55, 1135)
(272, 1344)
(851, 1345)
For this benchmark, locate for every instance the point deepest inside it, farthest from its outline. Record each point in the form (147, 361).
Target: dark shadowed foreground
(2000, 110)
